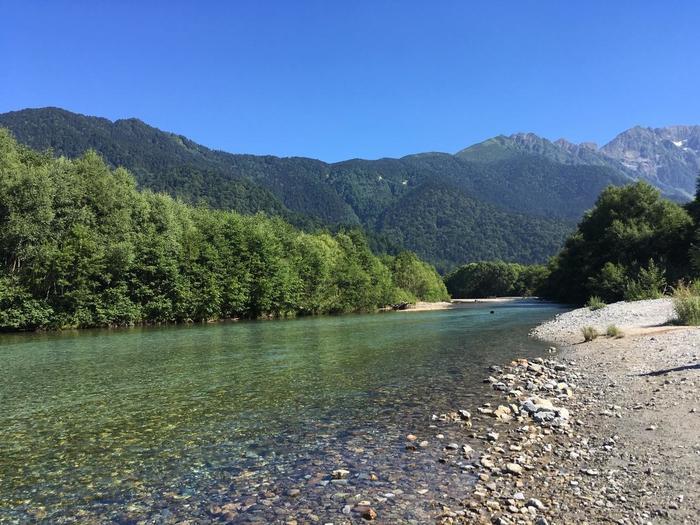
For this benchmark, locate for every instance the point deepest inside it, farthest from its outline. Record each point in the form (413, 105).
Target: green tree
(628, 227)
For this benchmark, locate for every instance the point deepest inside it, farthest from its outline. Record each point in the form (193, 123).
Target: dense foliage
(495, 279)
(515, 205)
(81, 246)
(631, 245)
(417, 279)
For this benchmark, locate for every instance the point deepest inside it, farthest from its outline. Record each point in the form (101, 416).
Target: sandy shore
(603, 432)
(460, 303)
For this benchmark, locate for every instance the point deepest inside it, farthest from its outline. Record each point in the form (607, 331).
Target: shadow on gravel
(669, 370)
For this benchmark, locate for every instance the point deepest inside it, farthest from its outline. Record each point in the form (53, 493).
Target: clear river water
(245, 421)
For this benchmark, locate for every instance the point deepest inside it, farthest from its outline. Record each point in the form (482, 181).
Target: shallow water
(160, 424)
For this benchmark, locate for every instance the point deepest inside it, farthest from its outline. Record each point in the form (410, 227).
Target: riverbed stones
(534, 502)
(364, 509)
(340, 473)
(514, 468)
(464, 414)
(503, 413)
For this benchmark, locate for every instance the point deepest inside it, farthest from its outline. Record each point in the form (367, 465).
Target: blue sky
(336, 80)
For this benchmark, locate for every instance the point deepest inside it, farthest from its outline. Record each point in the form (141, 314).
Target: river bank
(604, 432)
(422, 306)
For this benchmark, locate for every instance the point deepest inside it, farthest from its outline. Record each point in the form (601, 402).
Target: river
(174, 423)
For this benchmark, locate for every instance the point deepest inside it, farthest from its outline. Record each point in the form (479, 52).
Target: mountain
(666, 157)
(514, 198)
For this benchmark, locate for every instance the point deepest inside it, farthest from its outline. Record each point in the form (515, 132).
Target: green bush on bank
(613, 331)
(589, 333)
(686, 302)
(595, 303)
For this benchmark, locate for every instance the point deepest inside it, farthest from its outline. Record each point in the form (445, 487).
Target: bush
(686, 302)
(614, 331)
(649, 284)
(595, 303)
(589, 333)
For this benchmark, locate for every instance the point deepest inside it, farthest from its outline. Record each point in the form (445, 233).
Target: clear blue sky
(336, 80)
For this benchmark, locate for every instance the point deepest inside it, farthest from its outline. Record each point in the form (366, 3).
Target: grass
(589, 333)
(614, 331)
(595, 303)
(686, 302)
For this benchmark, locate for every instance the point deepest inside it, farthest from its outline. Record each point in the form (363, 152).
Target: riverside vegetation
(80, 246)
(632, 245)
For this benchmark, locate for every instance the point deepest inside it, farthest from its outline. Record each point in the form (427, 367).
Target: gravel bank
(631, 317)
(603, 432)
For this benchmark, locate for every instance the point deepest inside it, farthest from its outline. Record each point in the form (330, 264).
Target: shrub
(589, 333)
(614, 331)
(595, 303)
(649, 284)
(686, 302)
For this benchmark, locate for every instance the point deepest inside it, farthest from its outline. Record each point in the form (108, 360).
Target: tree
(628, 227)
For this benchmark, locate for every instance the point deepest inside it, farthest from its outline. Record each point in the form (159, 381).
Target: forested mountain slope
(513, 198)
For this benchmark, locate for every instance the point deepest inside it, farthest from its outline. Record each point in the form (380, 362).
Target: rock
(364, 510)
(534, 502)
(514, 468)
(486, 462)
(543, 416)
(423, 444)
(467, 450)
(452, 446)
(340, 473)
(464, 414)
(493, 505)
(563, 413)
(492, 436)
(293, 493)
(411, 437)
(503, 413)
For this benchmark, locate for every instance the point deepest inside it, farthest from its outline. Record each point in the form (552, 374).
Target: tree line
(633, 244)
(81, 246)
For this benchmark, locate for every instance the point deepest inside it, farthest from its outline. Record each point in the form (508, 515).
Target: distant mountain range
(513, 198)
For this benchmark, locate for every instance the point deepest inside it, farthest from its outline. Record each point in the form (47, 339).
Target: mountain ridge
(528, 182)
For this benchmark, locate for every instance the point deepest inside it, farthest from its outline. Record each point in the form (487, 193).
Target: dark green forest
(511, 204)
(81, 246)
(496, 279)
